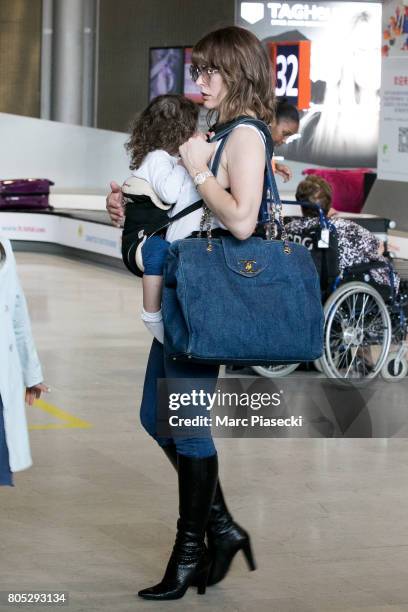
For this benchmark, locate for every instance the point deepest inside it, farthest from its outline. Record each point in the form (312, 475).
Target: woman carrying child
(233, 73)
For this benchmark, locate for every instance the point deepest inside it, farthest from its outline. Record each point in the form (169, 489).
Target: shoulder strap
(226, 128)
(224, 131)
(270, 191)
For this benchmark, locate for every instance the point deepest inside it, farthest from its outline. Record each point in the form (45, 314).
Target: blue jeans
(154, 253)
(160, 366)
(6, 477)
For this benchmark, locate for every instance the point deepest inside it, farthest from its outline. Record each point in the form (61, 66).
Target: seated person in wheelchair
(355, 244)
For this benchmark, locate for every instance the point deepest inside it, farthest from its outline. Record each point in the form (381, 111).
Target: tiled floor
(96, 514)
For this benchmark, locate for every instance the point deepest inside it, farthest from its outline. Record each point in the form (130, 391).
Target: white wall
(76, 158)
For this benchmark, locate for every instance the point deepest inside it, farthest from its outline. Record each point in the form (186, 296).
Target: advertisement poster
(165, 71)
(340, 127)
(393, 141)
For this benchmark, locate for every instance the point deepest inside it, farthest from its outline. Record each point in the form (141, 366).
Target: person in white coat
(21, 376)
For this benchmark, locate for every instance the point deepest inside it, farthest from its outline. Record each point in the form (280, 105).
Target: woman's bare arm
(245, 164)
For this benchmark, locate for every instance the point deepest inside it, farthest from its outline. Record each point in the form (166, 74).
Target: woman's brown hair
(166, 123)
(315, 190)
(246, 71)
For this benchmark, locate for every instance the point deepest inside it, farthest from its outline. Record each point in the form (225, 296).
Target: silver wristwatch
(201, 177)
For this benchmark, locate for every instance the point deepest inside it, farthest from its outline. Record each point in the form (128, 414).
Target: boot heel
(249, 557)
(201, 582)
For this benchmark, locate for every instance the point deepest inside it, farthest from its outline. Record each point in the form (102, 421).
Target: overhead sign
(283, 13)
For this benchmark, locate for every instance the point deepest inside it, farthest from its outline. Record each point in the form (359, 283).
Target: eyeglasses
(204, 71)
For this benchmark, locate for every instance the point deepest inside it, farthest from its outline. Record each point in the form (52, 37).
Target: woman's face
(213, 89)
(282, 130)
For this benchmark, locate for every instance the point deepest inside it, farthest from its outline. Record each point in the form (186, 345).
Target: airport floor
(95, 515)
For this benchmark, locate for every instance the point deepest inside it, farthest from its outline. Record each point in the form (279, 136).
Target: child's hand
(196, 153)
(34, 392)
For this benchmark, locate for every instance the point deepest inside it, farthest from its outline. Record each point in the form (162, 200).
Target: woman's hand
(196, 153)
(283, 171)
(114, 204)
(34, 392)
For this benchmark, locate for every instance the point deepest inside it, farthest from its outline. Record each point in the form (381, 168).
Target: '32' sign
(291, 60)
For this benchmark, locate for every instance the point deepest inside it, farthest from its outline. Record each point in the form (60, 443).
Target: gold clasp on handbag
(248, 266)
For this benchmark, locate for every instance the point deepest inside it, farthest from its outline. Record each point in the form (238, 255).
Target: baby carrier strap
(135, 186)
(186, 211)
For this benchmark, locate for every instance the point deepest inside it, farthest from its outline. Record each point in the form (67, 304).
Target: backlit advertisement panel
(340, 126)
(166, 66)
(393, 143)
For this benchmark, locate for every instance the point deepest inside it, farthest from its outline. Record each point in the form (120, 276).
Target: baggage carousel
(89, 235)
(83, 234)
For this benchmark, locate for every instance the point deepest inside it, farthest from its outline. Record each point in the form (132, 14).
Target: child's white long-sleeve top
(169, 180)
(173, 185)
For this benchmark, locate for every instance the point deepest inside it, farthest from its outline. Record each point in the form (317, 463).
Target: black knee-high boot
(189, 561)
(225, 537)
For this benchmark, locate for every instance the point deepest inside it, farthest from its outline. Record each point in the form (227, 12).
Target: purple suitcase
(20, 194)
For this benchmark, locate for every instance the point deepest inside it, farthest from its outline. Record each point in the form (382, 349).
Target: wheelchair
(363, 319)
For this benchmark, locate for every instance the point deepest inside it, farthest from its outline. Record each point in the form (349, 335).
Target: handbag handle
(274, 206)
(270, 211)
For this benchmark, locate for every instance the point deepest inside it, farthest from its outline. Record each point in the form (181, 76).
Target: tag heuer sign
(252, 12)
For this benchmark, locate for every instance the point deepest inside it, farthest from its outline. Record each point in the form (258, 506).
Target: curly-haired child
(158, 187)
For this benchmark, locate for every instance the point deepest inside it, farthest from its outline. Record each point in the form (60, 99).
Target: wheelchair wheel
(277, 371)
(357, 334)
(395, 369)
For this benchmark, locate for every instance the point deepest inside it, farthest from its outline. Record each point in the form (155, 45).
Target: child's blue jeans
(154, 253)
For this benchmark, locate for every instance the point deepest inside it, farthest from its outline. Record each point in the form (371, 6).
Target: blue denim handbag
(249, 302)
